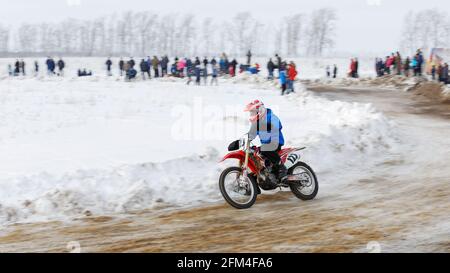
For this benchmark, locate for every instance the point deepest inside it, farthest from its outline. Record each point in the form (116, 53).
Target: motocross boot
(282, 173)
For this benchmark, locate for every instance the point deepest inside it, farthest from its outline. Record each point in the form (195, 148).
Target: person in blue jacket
(415, 66)
(283, 81)
(131, 74)
(214, 74)
(267, 126)
(222, 65)
(108, 66)
(198, 72)
(420, 62)
(50, 66)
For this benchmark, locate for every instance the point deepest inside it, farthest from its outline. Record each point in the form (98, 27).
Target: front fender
(240, 155)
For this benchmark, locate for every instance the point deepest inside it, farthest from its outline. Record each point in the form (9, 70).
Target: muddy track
(395, 205)
(279, 227)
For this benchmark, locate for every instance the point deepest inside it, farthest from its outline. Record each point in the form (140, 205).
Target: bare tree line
(425, 29)
(4, 38)
(143, 33)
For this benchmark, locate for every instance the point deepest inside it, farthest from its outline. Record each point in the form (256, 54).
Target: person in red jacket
(390, 62)
(353, 68)
(292, 74)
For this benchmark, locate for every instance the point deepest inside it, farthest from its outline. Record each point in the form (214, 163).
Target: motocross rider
(267, 126)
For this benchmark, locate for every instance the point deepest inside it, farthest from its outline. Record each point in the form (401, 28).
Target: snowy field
(71, 147)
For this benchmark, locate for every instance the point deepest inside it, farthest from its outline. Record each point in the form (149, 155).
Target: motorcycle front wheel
(240, 192)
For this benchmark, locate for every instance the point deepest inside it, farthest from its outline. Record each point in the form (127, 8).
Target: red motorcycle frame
(255, 162)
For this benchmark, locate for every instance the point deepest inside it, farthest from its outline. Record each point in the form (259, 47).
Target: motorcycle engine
(267, 180)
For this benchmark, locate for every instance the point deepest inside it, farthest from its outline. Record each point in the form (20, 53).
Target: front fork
(247, 154)
(244, 165)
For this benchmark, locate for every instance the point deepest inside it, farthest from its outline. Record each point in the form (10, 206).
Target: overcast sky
(363, 25)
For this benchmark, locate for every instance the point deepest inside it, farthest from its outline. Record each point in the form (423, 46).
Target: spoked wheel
(307, 187)
(239, 191)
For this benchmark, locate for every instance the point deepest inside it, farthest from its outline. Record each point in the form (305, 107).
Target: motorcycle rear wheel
(302, 192)
(247, 187)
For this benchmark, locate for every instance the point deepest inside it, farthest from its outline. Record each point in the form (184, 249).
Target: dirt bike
(242, 184)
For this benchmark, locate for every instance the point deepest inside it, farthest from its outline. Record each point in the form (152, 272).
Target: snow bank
(349, 132)
(435, 91)
(387, 82)
(446, 94)
(183, 181)
(419, 85)
(72, 148)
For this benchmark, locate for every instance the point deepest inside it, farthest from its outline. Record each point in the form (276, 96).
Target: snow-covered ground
(71, 147)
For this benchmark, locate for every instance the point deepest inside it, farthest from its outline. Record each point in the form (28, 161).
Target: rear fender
(292, 158)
